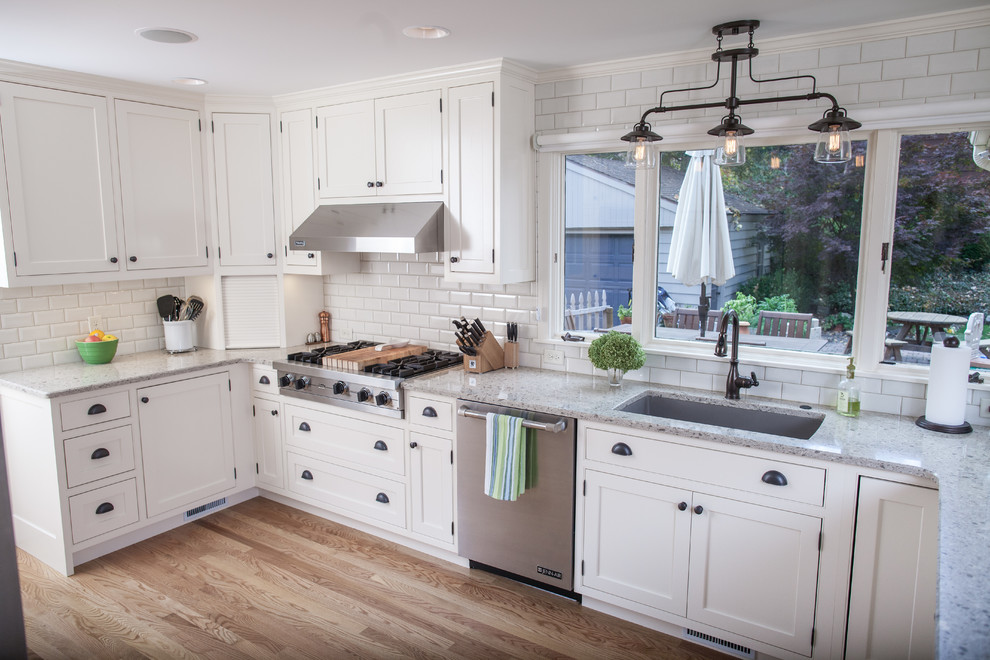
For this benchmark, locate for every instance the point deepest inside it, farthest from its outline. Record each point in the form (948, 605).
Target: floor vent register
(711, 641)
(201, 511)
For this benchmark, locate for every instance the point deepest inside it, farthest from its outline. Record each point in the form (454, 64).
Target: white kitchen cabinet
(385, 146)
(187, 441)
(242, 157)
(431, 486)
(161, 180)
(895, 557)
(490, 226)
(269, 463)
(56, 148)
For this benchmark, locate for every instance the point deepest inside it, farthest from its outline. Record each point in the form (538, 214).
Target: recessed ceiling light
(189, 81)
(426, 32)
(166, 35)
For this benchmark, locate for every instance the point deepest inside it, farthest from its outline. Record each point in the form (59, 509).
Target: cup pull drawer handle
(381, 446)
(106, 507)
(96, 409)
(429, 411)
(97, 454)
(621, 449)
(774, 478)
(304, 427)
(381, 497)
(264, 380)
(307, 475)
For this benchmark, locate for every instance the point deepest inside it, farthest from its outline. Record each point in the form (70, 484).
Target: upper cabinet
(242, 156)
(54, 140)
(489, 225)
(161, 181)
(384, 146)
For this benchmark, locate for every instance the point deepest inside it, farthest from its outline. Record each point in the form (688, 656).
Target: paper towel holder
(965, 427)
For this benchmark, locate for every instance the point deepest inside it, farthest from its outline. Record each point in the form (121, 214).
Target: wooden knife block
(489, 357)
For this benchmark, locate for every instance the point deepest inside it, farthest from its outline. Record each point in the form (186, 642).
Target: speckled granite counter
(959, 463)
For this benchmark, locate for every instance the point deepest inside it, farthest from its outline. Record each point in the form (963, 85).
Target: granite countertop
(959, 464)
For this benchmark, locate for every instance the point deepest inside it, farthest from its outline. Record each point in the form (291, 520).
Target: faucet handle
(720, 348)
(752, 377)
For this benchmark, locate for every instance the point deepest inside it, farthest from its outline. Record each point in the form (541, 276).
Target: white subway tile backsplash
(915, 88)
(975, 37)
(900, 388)
(567, 87)
(881, 91)
(800, 393)
(819, 379)
(928, 44)
(957, 62)
(888, 49)
(698, 381)
(596, 117)
(908, 67)
(837, 55)
(581, 102)
(882, 403)
(681, 364)
(595, 85)
(797, 60)
(783, 375)
(859, 73)
(913, 407)
(977, 81)
(626, 81)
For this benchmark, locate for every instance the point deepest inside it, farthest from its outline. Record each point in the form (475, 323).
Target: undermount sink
(718, 413)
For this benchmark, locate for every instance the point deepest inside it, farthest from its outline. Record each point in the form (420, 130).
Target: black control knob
(286, 380)
(340, 387)
(364, 394)
(302, 382)
(383, 398)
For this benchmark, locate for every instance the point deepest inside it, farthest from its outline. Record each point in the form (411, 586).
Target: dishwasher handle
(551, 427)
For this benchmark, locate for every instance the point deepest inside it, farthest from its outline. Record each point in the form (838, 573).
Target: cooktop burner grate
(415, 365)
(316, 355)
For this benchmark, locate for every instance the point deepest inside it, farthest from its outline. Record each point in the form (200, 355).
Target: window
(599, 197)
(940, 254)
(794, 230)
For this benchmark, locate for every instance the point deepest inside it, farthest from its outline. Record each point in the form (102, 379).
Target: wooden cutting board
(357, 360)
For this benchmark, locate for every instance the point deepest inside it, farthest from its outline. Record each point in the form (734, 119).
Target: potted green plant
(616, 353)
(745, 307)
(625, 313)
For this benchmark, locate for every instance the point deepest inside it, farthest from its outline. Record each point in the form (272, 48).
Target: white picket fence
(588, 313)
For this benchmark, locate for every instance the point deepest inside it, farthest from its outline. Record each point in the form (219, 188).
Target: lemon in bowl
(97, 348)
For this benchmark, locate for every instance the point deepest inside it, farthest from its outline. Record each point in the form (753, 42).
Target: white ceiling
(269, 47)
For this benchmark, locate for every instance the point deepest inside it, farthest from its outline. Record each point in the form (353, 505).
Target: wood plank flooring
(262, 580)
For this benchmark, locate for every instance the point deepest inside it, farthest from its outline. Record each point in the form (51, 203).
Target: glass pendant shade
(730, 150)
(833, 145)
(641, 154)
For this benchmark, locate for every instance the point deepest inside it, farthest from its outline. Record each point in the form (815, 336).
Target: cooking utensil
(176, 306)
(165, 307)
(192, 308)
(394, 344)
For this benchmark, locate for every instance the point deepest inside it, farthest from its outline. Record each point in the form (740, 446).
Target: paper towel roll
(947, 385)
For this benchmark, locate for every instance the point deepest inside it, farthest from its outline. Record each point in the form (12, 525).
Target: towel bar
(552, 427)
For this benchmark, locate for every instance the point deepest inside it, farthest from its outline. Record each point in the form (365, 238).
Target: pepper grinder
(325, 326)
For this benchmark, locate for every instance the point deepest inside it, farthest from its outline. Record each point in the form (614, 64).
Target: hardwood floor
(262, 580)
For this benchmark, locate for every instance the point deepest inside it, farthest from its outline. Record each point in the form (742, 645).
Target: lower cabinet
(268, 462)
(895, 560)
(187, 441)
(431, 486)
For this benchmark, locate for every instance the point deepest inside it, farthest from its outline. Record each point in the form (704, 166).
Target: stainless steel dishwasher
(532, 538)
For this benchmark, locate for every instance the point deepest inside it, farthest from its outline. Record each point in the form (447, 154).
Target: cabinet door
(298, 182)
(432, 484)
(754, 571)
(471, 221)
(186, 441)
(56, 148)
(895, 563)
(346, 138)
(268, 443)
(161, 180)
(242, 156)
(409, 144)
(636, 540)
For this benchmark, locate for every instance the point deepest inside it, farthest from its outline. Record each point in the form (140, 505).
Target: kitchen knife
(481, 326)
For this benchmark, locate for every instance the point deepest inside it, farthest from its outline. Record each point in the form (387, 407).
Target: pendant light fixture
(833, 128)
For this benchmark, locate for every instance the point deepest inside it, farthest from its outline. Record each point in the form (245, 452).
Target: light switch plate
(551, 356)
(345, 334)
(95, 322)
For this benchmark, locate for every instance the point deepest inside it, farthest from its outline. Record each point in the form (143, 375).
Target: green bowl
(97, 352)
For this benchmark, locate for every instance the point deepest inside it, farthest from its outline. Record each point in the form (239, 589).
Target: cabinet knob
(371, 184)
(264, 380)
(113, 260)
(774, 478)
(97, 454)
(413, 444)
(144, 399)
(454, 260)
(304, 427)
(270, 255)
(274, 413)
(621, 449)
(307, 475)
(381, 497)
(682, 506)
(380, 446)
(96, 409)
(310, 255)
(132, 259)
(699, 510)
(106, 507)
(429, 411)
(378, 184)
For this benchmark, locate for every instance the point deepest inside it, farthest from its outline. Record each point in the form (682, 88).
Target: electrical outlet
(95, 322)
(551, 356)
(344, 334)
(985, 407)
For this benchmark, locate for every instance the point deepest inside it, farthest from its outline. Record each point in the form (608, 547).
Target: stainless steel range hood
(399, 227)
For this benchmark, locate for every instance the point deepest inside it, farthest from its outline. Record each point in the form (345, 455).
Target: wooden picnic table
(923, 324)
(769, 341)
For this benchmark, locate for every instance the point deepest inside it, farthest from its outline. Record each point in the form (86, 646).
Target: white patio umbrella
(700, 250)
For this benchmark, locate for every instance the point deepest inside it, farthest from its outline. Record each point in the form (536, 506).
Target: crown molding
(953, 20)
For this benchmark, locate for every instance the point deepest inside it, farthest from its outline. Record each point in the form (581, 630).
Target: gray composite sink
(723, 413)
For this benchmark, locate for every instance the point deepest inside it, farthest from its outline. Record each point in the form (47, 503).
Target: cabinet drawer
(94, 410)
(359, 442)
(351, 491)
(747, 473)
(98, 455)
(264, 379)
(103, 510)
(436, 414)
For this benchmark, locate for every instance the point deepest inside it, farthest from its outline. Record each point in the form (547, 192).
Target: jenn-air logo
(549, 572)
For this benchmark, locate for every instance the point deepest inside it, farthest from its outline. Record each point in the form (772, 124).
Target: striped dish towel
(509, 452)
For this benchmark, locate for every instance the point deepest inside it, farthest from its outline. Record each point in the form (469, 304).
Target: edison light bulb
(731, 143)
(834, 140)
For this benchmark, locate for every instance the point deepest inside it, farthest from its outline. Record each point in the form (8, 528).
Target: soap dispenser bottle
(848, 400)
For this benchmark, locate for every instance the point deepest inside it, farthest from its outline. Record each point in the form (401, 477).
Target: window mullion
(644, 280)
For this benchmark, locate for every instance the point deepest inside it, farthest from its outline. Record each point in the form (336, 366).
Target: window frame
(883, 128)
